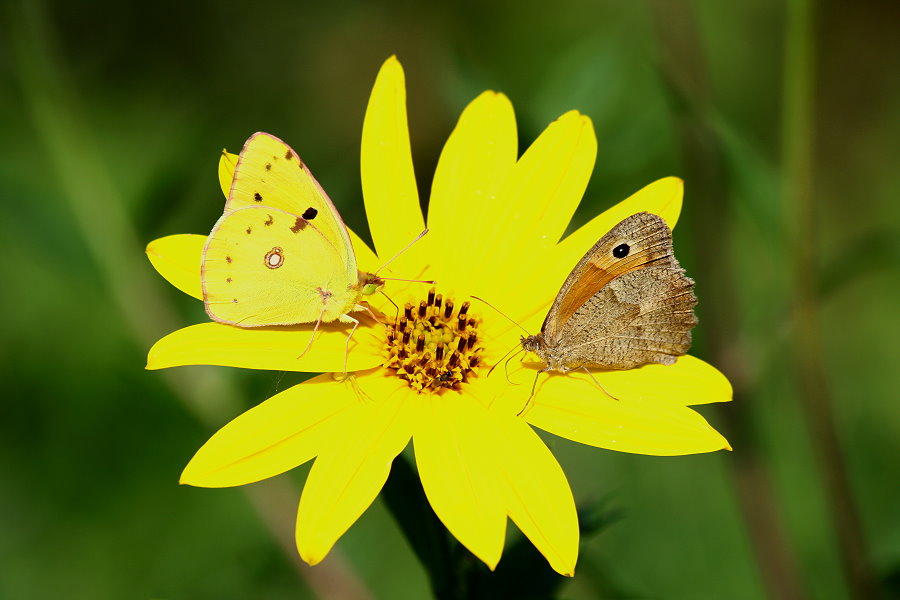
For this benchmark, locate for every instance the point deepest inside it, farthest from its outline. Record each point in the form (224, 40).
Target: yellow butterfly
(280, 254)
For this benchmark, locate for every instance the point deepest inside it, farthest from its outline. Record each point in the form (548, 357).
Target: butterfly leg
(591, 375)
(396, 316)
(313, 336)
(528, 402)
(348, 319)
(365, 307)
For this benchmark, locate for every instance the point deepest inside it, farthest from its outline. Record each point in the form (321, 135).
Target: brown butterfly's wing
(644, 316)
(626, 303)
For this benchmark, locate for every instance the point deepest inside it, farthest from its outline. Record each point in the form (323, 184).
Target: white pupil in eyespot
(274, 258)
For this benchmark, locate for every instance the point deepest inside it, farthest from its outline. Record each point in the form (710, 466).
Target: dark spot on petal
(257, 196)
(621, 251)
(310, 213)
(269, 221)
(299, 225)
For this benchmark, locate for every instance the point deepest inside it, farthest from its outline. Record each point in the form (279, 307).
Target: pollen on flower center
(433, 346)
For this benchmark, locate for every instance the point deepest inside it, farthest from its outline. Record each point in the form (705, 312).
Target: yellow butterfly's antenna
(405, 248)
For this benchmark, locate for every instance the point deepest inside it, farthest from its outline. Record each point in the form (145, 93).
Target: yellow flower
(495, 224)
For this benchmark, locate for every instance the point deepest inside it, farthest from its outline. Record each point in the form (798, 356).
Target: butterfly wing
(641, 317)
(265, 266)
(627, 302)
(270, 173)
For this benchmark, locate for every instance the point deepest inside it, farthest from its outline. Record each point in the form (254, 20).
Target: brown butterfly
(626, 303)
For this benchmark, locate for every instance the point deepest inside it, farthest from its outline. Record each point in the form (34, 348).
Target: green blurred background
(783, 119)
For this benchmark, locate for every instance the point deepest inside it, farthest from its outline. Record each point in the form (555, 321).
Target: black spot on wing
(269, 221)
(268, 166)
(310, 213)
(257, 196)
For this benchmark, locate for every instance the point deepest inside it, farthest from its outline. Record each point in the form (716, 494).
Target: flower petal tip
(311, 558)
(574, 115)
(392, 65)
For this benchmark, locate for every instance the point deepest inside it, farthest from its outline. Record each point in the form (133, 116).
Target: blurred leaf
(877, 250)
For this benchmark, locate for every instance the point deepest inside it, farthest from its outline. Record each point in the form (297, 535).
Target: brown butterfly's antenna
(502, 313)
(491, 370)
(405, 248)
(506, 368)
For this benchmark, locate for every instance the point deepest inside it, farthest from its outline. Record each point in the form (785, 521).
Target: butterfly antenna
(491, 370)
(405, 248)
(409, 280)
(506, 368)
(505, 316)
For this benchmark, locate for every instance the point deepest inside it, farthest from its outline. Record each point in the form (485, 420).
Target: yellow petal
(177, 258)
(227, 163)
(286, 430)
(388, 181)
(365, 258)
(688, 382)
(354, 464)
(538, 496)
(475, 162)
(536, 203)
(573, 407)
(455, 455)
(663, 197)
(274, 348)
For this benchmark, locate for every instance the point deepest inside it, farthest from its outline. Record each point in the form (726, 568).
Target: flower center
(432, 346)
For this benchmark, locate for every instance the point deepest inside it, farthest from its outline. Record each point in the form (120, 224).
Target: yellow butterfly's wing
(265, 266)
(269, 173)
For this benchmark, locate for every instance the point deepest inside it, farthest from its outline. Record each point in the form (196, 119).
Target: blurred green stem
(112, 241)
(684, 67)
(798, 160)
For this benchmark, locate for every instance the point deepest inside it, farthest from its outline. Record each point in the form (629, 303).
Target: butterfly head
(369, 284)
(533, 343)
